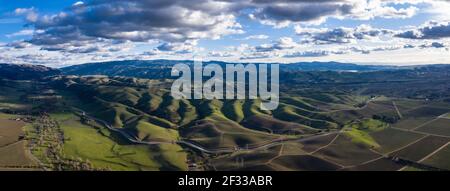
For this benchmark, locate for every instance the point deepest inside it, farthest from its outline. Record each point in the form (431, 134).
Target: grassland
(325, 129)
(151, 114)
(106, 150)
(14, 152)
(359, 132)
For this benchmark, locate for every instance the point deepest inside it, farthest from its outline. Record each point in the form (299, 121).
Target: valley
(325, 121)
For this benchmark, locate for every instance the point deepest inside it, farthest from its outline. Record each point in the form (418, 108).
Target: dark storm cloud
(302, 12)
(281, 13)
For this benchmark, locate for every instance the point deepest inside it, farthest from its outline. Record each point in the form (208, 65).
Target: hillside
(326, 120)
(158, 69)
(26, 72)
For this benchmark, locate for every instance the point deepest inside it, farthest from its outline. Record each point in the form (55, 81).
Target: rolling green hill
(326, 120)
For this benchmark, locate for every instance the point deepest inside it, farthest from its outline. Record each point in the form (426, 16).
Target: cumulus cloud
(91, 46)
(431, 30)
(282, 13)
(312, 53)
(255, 55)
(174, 21)
(340, 51)
(30, 14)
(101, 29)
(222, 54)
(33, 58)
(178, 21)
(19, 44)
(340, 35)
(258, 37)
(282, 44)
(25, 32)
(180, 48)
(433, 45)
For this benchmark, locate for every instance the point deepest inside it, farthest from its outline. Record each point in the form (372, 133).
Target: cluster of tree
(386, 119)
(48, 139)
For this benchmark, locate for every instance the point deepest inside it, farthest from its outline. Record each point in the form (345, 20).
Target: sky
(68, 32)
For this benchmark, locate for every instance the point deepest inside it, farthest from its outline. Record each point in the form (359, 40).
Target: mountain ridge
(155, 68)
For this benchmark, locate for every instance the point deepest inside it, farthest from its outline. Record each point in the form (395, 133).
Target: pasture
(14, 152)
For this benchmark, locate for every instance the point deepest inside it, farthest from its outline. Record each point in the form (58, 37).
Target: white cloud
(25, 32)
(29, 13)
(257, 37)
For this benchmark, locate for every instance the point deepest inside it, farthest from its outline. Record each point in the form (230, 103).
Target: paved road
(135, 140)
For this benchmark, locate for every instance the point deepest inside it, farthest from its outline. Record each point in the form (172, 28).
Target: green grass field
(359, 132)
(103, 150)
(145, 110)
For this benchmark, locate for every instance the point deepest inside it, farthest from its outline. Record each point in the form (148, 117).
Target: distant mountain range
(161, 68)
(26, 72)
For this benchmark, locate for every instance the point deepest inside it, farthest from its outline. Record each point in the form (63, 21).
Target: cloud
(25, 32)
(179, 21)
(282, 13)
(255, 55)
(180, 48)
(431, 30)
(340, 51)
(433, 45)
(30, 13)
(19, 44)
(92, 46)
(340, 35)
(282, 44)
(32, 58)
(409, 46)
(387, 48)
(258, 37)
(221, 54)
(313, 53)
(174, 21)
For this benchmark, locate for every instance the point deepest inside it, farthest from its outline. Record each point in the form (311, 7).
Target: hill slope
(157, 69)
(25, 72)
